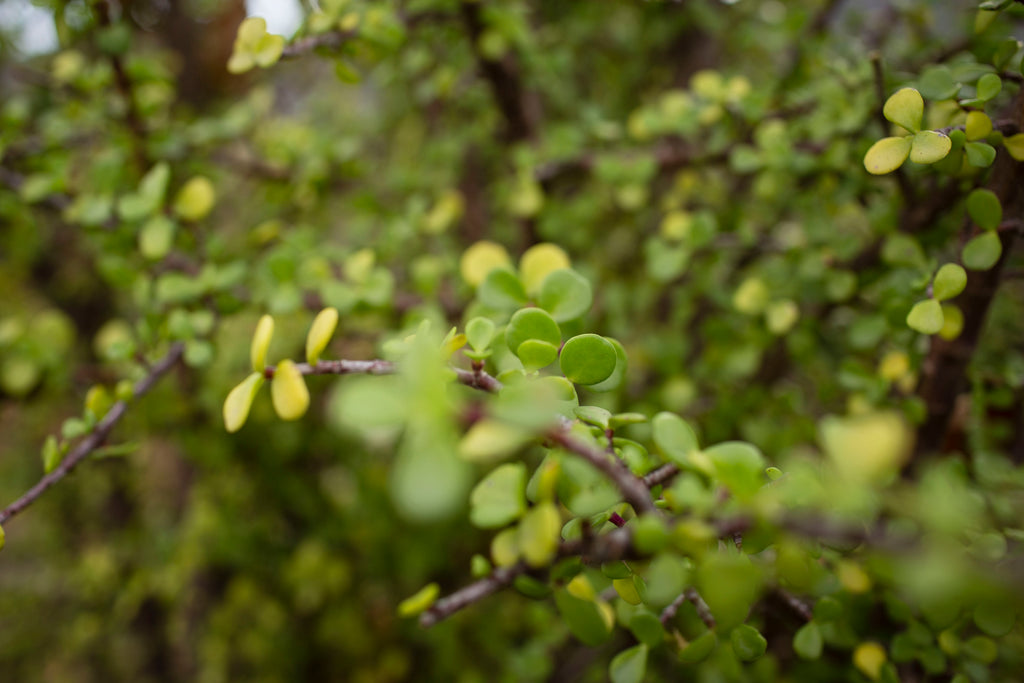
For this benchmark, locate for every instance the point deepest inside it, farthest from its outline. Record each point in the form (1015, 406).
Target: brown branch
(331, 41)
(703, 611)
(615, 545)
(477, 380)
(632, 487)
(95, 438)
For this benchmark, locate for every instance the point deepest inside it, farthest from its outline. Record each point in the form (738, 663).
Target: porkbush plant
(684, 338)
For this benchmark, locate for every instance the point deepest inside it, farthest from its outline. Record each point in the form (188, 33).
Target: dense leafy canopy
(688, 338)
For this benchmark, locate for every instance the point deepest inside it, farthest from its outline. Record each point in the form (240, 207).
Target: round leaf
(929, 146)
(539, 533)
(501, 290)
(980, 154)
(949, 281)
(989, 86)
(674, 437)
(647, 628)
(195, 199)
(978, 125)
(565, 294)
(995, 618)
(488, 440)
(739, 466)
(587, 359)
(618, 375)
(239, 401)
(984, 208)
(747, 643)
(925, 317)
(538, 261)
(699, 648)
(937, 83)
(807, 643)
(480, 259)
(584, 618)
(156, 237)
(532, 323)
(905, 108)
(500, 497)
(886, 155)
(479, 333)
(983, 251)
(629, 666)
(288, 391)
(1015, 146)
(536, 354)
(320, 333)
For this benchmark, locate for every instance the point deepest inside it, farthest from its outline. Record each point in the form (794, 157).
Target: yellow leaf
(261, 343)
(538, 261)
(420, 602)
(886, 155)
(288, 391)
(239, 401)
(195, 199)
(320, 333)
(480, 259)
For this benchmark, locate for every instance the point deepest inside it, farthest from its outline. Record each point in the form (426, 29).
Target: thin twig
(95, 438)
(632, 487)
(703, 611)
(477, 380)
(797, 604)
(331, 41)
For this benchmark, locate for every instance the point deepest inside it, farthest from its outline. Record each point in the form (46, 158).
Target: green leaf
(739, 466)
(828, 609)
(536, 354)
(699, 648)
(156, 237)
(500, 497)
(748, 643)
(674, 437)
(153, 186)
(195, 199)
(629, 666)
(268, 50)
(980, 154)
(584, 618)
(929, 146)
(937, 83)
(989, 86)
(539, 533)
(730, 585)
(52, 454)
(647, 628)
(949, 281)
(614, 380)
(995, 618)
(532, 323)
(594, 415)
(320, 333)
(982, 252)
(807, 642)
(501, 290)
(886, 155)
(239, 401)
(261, 343)
(905, 108)
(479, 333)
(539, 261)
(489, 440)
(565, 294)
(420, 602)
(288, 391)
(925, 317)
(1015, 146)
(978, 125)
(587, 359)
(984, 208)
(666, 578)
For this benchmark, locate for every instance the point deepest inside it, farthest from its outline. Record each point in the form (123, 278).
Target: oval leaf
(807, 643)
(480, 259)
(983, 251)
(925, 317)
(479, 333)
(536, 354)
(747, 643)
(500, 497)
(629, 666)
(565, 294)
(886, 155)
(532, 323)
(288, 391)
(538, 261)
(980, 154)
(501, 290)
(320, 333)
(587, 359)
(929, 146)
(261, 342)
(905, 108)
(984, 208)
(239, 401)
(949, 281)
(674, 437)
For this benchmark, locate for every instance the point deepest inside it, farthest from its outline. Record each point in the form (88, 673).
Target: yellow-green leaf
(539, 532)
(905, 108)
(320, 334)
(195, 199)
(929, 146)
(261, 343)
(239, 401)
(1015, 146)
(978, 126)
(886, 155)
(925, 316)
(538, 261)
(420, 602)
(480, 259)
(288, 391)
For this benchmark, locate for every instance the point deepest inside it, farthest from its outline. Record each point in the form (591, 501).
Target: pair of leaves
(906, 108)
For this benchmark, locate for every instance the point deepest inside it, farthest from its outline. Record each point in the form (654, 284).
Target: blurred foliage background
(700, 161)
